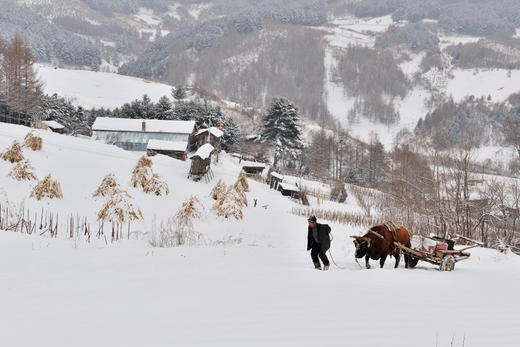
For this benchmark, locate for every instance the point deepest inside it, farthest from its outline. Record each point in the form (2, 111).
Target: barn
(134, 134)
(177, 150)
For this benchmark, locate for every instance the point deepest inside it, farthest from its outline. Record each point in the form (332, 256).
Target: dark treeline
(480, 19)
(48, 42)
(371, 75)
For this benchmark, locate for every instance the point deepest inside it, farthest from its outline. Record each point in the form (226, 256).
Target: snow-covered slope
(249, 283)
(499, 84)
(92, 89)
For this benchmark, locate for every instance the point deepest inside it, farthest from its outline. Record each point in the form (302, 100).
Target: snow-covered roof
(161, 145)
(214, 131)
(277, 175)
(152, 125)
(252, 164)
(53, 124)
(204, 151)
(288, 186)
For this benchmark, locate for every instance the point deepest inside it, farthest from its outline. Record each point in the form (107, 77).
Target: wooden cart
(445, 259)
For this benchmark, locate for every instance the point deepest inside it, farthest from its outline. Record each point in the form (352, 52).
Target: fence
(46, 223)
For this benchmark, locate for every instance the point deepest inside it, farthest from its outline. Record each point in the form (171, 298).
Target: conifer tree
(178, 93)
(281, 128)
(163, 108)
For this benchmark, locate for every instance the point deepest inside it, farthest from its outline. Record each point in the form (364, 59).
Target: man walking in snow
(318, 242)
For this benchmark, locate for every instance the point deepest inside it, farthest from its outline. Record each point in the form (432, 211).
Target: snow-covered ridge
(92, 89)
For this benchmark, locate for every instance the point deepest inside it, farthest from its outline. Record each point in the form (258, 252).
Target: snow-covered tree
(178, 93)
(281, 128)
(206, 116)
(163, 108)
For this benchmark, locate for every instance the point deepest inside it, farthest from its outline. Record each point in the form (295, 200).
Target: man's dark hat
(312, 219)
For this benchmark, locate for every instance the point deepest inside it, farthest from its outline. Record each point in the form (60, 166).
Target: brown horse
(378, 243)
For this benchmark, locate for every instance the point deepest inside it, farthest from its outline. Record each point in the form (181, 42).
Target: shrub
(107, 187)
(33, 142)
(14, 153)
(23, 171)
(47, 188)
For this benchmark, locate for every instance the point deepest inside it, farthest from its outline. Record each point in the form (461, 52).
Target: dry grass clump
(33, 142)
(13, 154)
(241, 194)
(218, 190)
(179, 230)
(344, 217)
(191, 209)
(229, 204)
(23, 171)
(119, 209)
(242, 181)
(155, 185)
(303, 197)
(47, 188)
(144, 177)
(38, 124)
(107, 187)
(338, 192)
(141, 172)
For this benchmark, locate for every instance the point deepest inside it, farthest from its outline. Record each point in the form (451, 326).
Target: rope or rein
(332, 258)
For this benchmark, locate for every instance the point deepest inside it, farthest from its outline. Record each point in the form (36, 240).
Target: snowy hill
(91, 89)
(250, 282)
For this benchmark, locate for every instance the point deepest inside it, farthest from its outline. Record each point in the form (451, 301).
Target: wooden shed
(55, 126)
(274, 180)
(252, 168)
(174, 149)
(201, 163)
(212, 135)
(289, 190)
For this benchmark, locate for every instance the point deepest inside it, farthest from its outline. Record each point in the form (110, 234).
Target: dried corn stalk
(107, 186)
(33, 142)
(47, 188)
(14, 153)
(23, 171)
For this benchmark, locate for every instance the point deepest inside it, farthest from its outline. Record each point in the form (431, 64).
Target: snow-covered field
(257, 292)
(92, 89)
(498, 83)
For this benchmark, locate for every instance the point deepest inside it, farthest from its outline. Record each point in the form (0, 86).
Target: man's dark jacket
(323, 236)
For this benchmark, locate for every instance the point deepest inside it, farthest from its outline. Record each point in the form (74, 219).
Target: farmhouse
(134, 134)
